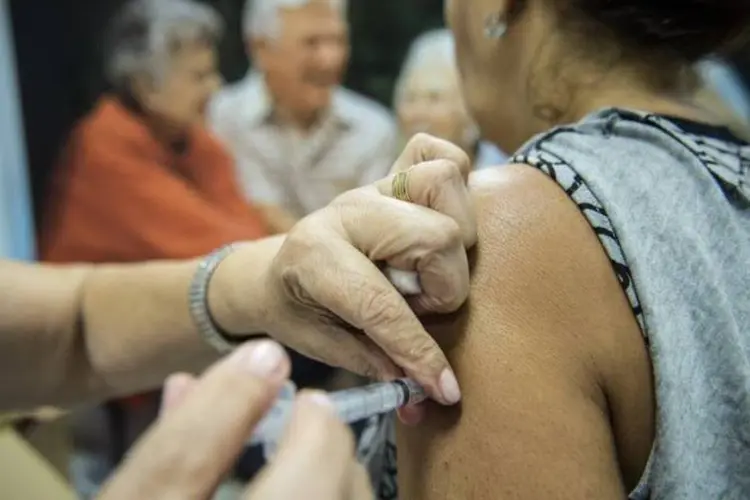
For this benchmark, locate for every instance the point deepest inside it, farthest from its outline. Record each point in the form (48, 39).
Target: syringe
(352, 405)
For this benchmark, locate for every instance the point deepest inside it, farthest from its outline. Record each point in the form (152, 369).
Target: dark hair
(685, 31)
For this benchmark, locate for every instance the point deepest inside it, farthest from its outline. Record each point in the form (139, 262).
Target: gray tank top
(670, 202)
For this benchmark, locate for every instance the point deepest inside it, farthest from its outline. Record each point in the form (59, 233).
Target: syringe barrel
(352, 405)
(360, 403)
(274, 422)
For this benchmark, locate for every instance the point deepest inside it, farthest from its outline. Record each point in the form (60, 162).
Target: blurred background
(57, 44)
(60, 59)
(51, 76)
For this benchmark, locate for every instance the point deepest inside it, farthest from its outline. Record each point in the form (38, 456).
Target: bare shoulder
(542, 352)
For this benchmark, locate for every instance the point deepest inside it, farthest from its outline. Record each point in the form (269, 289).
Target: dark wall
(59, 77)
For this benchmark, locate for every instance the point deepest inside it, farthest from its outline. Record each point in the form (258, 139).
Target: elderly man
(428, 98)
(299, 138)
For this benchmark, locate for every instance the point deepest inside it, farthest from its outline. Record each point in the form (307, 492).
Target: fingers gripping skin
(425, 148)
(438, 173)
(355, 290)
(325, 286)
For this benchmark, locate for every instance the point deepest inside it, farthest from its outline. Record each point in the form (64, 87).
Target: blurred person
(141, 178)
(298, 137)
(604, 351)
(82, 332)
(428, 98)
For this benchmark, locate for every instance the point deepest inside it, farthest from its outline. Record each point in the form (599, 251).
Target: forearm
(69, 334)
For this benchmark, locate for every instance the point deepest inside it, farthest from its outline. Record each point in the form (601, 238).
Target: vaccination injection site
(359, 250)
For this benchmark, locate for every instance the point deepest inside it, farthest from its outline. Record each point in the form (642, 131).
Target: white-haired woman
(141, 178)
(428, 98)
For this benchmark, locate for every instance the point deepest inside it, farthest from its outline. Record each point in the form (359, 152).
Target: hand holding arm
(330, 302)
(70, 333)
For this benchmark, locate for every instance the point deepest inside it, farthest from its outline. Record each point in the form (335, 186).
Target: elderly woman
(605, 350)
(428, 98)
(141, 178)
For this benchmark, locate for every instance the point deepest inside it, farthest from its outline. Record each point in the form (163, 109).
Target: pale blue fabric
(489, 155)
(16, 221)
(723, 78)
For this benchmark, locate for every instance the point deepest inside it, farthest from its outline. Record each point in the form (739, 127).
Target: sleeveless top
(669, 200)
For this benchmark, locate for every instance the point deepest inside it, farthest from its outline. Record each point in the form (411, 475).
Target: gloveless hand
(328, 298)
(205, 423)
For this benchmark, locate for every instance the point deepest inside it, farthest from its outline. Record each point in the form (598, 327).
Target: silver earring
(495, 26)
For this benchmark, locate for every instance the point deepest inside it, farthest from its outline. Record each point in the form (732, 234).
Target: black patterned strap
(593, 210)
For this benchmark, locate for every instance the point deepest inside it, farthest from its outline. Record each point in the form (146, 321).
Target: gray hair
(261, 17)
(144, 34)
(435, 47)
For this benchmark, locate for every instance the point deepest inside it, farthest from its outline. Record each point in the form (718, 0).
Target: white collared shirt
(352, 145)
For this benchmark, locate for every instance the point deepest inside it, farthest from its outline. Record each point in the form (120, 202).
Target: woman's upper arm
(546, 340)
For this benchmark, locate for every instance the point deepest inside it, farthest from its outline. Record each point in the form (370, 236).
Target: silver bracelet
(198, 297)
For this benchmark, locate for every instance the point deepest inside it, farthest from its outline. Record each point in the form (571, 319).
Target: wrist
(238, 297)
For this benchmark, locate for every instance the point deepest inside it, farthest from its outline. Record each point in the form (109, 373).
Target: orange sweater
(120, 195)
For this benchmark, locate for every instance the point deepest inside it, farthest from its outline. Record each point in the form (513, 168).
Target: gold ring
(400, 186)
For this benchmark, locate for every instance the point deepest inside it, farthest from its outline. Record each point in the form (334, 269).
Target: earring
(495, 26)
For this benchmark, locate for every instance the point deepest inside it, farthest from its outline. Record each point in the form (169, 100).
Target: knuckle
(449, 234)
(362, 366)
(353, 196)
(421, 139)
(423, 350)
(453, 298)
(448, 171)
(380, 307)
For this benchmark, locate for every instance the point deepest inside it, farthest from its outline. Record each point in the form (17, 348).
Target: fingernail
(262, 359)
(318, 398)
(449, 387)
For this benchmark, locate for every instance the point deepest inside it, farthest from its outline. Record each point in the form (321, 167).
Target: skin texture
(555, 374)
